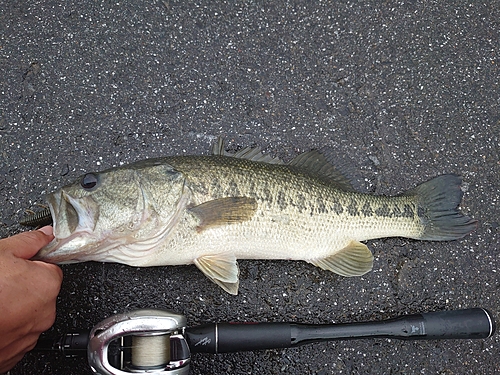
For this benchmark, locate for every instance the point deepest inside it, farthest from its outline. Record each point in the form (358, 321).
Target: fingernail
(47, 230)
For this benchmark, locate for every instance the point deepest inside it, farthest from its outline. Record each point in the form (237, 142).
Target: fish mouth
(74, 221)
(80, 235)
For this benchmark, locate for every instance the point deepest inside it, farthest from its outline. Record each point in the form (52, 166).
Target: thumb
(25, 245)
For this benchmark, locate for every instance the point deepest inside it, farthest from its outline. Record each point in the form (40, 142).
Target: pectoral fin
(224, 211)
(353, 260)
(222, 269)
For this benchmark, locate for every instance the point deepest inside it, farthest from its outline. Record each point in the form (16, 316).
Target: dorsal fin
(249, 153)
(316, 163)
(218, 147)
(255, 154)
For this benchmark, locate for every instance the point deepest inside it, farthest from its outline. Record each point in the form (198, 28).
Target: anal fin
(222, 269)
(353, 260)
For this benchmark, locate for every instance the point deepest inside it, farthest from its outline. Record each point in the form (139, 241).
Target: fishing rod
(158, 341)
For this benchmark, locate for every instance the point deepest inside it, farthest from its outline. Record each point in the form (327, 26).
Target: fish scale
(213, 210)
(312, 197)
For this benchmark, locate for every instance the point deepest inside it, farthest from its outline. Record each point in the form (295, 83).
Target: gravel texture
(401, 90)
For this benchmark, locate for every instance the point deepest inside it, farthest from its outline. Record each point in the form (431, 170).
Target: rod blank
(474, 323)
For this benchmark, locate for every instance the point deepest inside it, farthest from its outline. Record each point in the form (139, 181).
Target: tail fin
(438, 201)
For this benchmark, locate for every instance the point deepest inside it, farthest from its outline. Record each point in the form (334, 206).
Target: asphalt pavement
(401, 91)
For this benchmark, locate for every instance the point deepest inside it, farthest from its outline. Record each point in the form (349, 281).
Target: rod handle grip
(476, 323)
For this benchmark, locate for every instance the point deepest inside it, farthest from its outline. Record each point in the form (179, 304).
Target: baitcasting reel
(153, 338)
(157, 342)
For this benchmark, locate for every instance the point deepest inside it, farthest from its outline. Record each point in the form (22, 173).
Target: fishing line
(149, 352)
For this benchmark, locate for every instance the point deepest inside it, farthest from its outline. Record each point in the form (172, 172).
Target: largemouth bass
(213, 210)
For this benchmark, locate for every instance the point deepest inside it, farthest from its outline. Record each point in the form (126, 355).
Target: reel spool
(142, 341)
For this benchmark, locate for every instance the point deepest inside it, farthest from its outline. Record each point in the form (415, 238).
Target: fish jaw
(74, 221)
(76, 239)
(65, 250)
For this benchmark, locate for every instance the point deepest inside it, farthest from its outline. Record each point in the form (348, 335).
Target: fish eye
(89, 181)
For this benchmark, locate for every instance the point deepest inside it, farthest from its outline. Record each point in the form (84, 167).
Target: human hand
(28, 292)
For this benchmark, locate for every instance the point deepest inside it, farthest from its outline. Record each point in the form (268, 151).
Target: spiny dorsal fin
(255, 154)
(218, 147)
(249, 153)
(353, 260)
(224, 211)
(222, 269)
(316, 163)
